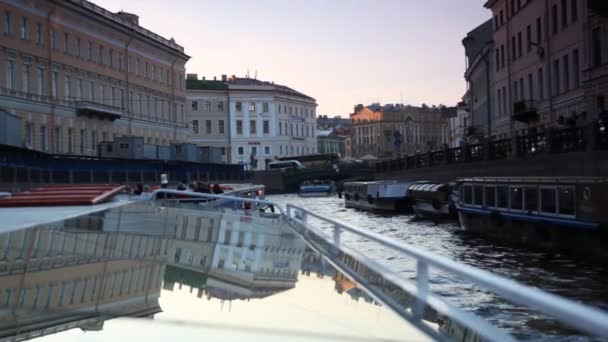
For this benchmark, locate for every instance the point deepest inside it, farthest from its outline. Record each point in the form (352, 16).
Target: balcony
(98, 110)
(599, 7)
(525, 111)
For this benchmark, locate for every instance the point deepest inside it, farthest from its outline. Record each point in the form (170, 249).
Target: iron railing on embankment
(593, 137)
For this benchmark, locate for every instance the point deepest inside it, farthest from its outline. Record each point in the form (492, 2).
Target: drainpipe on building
(229, 127)
(509, 57)
(173, 105)
(128, 87)
(51, 125)
(548, 60)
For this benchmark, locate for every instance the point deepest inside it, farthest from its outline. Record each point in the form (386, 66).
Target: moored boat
(432, 200)
(317, 189)
(567, 214)
(391, 196)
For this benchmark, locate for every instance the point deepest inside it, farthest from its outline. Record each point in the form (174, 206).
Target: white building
(263, 121)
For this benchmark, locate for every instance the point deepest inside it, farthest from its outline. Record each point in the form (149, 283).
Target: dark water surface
(559, 274)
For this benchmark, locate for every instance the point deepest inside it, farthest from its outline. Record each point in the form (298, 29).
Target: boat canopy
(429, 191)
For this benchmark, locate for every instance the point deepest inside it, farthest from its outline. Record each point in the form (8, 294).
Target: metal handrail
(155, 193)
(585, 318)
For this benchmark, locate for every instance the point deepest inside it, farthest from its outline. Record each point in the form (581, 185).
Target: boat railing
(585, 318)
(197, 196)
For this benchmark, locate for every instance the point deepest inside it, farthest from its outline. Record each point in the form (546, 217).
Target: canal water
(581, 281)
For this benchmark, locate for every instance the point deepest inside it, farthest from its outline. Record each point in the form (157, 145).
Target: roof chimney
(191, 76)
(215, 78)
(358, 108)
(224, 78)
(203, 78)
(130, 17)
(233, 77)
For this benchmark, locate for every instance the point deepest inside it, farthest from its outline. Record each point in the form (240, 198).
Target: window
(53, 39)
(154, 72)
(515, 92)
(120, 61)
(70, 140)
(220, 105)
(111, 56)
(554, 17)
(58, 147)
(24, 28)
(43, 145)
(519, 45)
(41, 83)
(541, 84)
(516, 198)
(239, 126)
(101, 55)
(490, 196)
(556, 82)
(531, 198)
(8, 22)
(566, 65)
(220, 126)
(539, 30)
(83, 140)
(252, 127)
(574, 10)
(146, 70)
(529, 38)
(68, 86)
(241, 150)
(530, 86)
(208, 126)
(467, 194)
(54, 87)
(265, 107)
(26, 78)
(478, 195)
(267, 150)
(66, 43)
(502, 17)
(548, 200)
(38, 33)
(266, 127)
(564, 13)
(137, 70)
(513, 49)
(195, 126)
(566, 201)
(596, 41)
(497, 58)
(90, 50)
(502, 56)
(254, 150)
(207, 105)
(251, 107)
(194, 105)
(575, 69)
(498, 102)
(28, 134)
(239, 107)
(92, 91)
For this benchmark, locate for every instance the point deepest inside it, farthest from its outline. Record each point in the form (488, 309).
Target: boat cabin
(570, 198)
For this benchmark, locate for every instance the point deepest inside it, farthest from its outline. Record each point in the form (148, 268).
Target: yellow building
(77, 74)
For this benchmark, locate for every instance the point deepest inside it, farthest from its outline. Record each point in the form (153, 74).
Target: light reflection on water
(552, 272)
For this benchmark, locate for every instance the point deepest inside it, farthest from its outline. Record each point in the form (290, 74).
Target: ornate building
(393, 130)
(77, 74)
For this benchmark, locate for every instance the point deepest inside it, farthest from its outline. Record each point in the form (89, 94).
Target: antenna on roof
(256, 74)
(247, 76)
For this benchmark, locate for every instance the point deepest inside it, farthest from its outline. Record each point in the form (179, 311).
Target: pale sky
(341, 52)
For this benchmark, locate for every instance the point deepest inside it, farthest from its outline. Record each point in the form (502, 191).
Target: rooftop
(205, 85)
(246, 81)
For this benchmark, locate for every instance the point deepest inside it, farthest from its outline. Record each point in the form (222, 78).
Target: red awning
(62, 196)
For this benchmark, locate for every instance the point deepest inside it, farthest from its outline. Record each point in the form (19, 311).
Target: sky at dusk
(341, 52)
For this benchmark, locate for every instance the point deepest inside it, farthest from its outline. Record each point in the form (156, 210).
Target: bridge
(277, 181)
(575, 151)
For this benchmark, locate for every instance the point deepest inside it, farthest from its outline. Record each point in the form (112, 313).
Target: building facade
(539, 54)
(479, 75)
(459, 123)
(259, 120)
(330, 141)
(207, 114)
(394, 130)
(77, 74)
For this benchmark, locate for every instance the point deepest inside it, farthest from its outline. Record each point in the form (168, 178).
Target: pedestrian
(217, 189)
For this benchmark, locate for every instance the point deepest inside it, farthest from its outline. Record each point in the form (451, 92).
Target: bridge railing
(332, 234)
(592, 137)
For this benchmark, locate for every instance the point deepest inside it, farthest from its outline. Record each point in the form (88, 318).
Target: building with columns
(388, 131)
(77, 74)
(257, 122)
